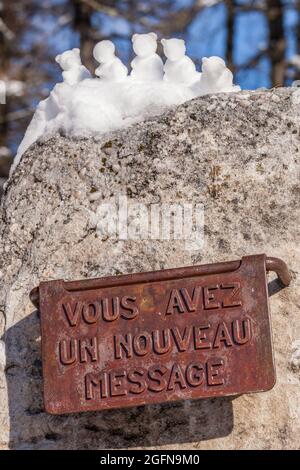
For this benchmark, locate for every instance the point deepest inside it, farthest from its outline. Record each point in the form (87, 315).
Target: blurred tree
(230, 24)
(33, 32)
(82, 21)
(24, 59)
(277, 42)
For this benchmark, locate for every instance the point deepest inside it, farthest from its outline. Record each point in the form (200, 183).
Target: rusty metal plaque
(195, 332)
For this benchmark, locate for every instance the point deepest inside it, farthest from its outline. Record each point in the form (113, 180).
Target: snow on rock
(111, 67)
(147, 65)
(83, 106)
(215, 77)
(73, 70)
(179, 68)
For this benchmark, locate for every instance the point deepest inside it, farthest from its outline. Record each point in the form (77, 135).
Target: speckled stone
(238, 154)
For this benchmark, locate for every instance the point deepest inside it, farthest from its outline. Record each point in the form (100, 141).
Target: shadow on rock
(147, 426)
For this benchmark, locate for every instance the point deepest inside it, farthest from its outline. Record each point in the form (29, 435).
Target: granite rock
(238, 155)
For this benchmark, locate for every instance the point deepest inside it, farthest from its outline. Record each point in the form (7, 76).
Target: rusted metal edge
(150, 276)
(280, 268)
(272, 264)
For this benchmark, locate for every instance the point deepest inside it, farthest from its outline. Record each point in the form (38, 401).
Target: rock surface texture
(238, 154)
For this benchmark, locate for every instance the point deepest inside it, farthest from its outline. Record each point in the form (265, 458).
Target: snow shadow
(182, 422)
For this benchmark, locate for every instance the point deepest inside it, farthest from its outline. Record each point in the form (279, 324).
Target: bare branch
(108, 10)
(253, 61)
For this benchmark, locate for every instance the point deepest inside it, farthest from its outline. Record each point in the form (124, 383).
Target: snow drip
(84, 106)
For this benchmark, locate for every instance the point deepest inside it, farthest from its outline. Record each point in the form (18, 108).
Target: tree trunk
(83, 25)
(230, 26)
(276, 41)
